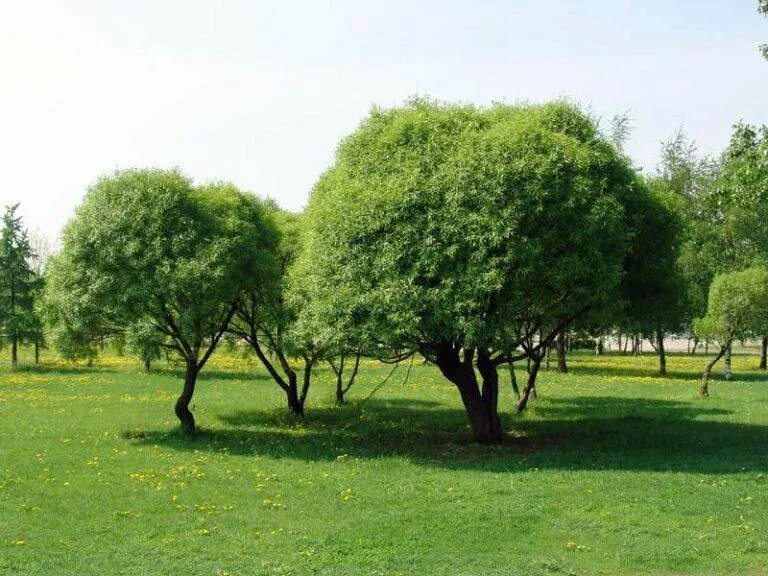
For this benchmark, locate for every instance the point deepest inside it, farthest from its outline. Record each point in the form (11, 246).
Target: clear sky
(259, 93)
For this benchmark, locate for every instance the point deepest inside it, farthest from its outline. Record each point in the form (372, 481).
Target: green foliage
(448, 222)
(148, 247)
(737, 307)
(762, 8)
(145, 342)
(742, 196)
(653, 287)
(18, 282)
(692, 179)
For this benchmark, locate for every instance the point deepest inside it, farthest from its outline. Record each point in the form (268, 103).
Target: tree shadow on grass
(213, 374)
(585, 433)
(689, 375)
(60, 369)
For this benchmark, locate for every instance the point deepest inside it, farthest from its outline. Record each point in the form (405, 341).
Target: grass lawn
(612, 471)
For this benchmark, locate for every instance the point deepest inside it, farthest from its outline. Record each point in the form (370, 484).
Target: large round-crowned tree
(147, 247)
(466, 234)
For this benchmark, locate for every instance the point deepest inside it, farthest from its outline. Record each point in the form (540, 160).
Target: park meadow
(611, 470)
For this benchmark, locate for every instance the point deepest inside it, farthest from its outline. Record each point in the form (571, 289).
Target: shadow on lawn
(748, 375)
(586, 433)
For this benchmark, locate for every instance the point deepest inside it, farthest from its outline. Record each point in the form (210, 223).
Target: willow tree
(148, 247)
(265, 317)
(737, 309)
(465, 233)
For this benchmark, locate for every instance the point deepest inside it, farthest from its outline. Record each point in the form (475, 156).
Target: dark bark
(513, 379)
(341, 388)
(704, 389)
(662, 353)
(695, 345)
(14, 351)
(295, 403)
(147, 365)
(288, 383)
(182, 404)
(481, 406)
(530, 386)
(37, 351)
(562, 365)
(763, 352)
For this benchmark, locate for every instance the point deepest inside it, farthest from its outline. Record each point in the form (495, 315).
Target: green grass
(612, 471)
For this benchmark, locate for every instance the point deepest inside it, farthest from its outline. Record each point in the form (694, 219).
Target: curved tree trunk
(704, 389)
(695, 345)
(530, 385)
(562, 365)
(341, 388)
(481, 407)
(513, 379)
(295, 404)
(763, 352)
(183, 412)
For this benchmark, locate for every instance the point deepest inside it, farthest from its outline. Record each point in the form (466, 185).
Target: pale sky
(259, 93)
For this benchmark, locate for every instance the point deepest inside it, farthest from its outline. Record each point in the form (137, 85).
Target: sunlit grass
(612, 471)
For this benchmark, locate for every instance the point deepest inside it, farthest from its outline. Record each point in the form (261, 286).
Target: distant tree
(145, 342)
(762, 8)
(462, 234)
(684, 173)
(737, 309)
(148, 247)
(740, 202)
(18, 283)
(41, 253)
(654, 289)
(620, 130)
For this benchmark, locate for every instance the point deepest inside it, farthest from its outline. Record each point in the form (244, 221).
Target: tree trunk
(182, 404)
(481, 407)
(530, 385)
(37, 351)
(662, 353)
(562, 365)
(727, 372)
(295, 404)
(147, 365)
(513, 379)
(763, 352)
(695, 345)
(339, 380)
(14, 352)
(704, 390)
